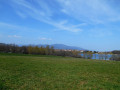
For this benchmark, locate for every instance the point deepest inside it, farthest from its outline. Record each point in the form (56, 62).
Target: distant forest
(12, 48)
(49, 50)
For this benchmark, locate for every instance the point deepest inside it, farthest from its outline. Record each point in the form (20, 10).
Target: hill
(62, 46)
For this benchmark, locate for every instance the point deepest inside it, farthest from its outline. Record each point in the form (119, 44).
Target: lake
(99, 56)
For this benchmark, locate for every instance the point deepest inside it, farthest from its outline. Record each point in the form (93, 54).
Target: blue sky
(90, 24)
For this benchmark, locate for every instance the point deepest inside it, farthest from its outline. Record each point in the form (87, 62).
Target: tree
(47, 50)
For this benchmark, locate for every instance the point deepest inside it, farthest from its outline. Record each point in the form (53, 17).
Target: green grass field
(31, 72)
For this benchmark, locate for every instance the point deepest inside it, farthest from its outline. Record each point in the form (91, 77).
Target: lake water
(99, 56)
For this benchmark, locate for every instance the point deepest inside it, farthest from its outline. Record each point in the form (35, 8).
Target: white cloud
(42, 12)
(85, 11)
(45, 38)
(100, 32)
(63, 26)
(14, 36)
(14, 27)
(2, 24)
(21, 14)
(97, 11)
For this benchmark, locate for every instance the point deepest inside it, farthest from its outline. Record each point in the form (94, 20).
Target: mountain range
(62, 46)
(58, 46)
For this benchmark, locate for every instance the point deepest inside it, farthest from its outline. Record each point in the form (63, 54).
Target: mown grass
(57, 73)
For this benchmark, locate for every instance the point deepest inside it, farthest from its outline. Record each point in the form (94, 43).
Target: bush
(115, 57)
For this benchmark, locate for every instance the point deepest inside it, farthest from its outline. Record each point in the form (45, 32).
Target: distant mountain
(59, 46)
(62, 46)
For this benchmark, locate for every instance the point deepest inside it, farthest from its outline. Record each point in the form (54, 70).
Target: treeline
(116, 52)
(115, 57)
(12, 48)
(72, 53)
(101, 55)
(87, 54)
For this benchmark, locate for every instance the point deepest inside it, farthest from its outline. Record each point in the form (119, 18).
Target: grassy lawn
(32, 72)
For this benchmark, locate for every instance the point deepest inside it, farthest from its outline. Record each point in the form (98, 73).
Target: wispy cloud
(45, 38)
(97, 11)
(14, 36)
(42, 12)
(63, 25)
(85, 11)
(8, 26)
(100, 32)
(21, 14)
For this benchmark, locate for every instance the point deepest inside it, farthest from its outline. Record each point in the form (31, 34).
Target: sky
(89, 24)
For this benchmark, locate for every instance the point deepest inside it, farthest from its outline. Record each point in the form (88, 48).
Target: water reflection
(97, 56)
